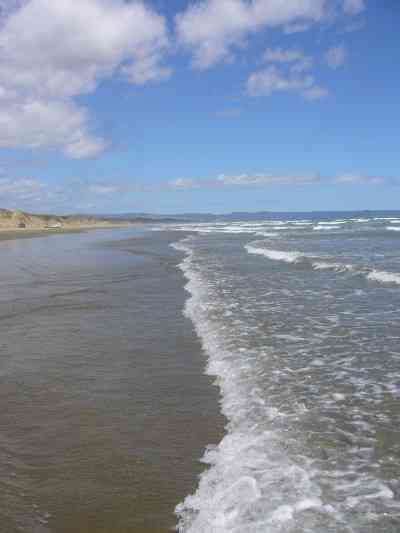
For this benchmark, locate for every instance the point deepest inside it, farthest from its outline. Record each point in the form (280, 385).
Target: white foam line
(337, 267)
(234, 228)
(332, 223)
(321, 228)
(296, 257)
(234, 494)
(379, 276)
(275, 255)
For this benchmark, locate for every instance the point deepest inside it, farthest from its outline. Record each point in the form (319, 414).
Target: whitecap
(384, 277)
(320, 228)
(276, 255)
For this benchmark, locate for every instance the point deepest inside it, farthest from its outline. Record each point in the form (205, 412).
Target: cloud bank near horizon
(77, 194)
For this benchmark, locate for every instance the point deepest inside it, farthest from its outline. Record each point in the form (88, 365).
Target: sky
(173, 106)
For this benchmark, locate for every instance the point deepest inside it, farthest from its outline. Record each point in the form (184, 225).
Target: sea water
(299, 320)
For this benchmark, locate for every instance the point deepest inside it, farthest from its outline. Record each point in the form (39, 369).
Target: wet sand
(105, 407)
(9, 234)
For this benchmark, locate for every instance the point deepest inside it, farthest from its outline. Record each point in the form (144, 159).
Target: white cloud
(210, 28)
(280, 55)
(103, 189)
(266, 179)
(359, 179)
(336, 56)
(147, 69)
(41, 123)
(20, 188)
(32, 194)
(353, 7)
(298, 60)
(270, 80)
(289, 72)
(53, 51)
(245, 180)
(183, 183)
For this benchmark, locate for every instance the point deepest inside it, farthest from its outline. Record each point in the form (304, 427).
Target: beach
(106, 407)
(218, 376)
(8, 233)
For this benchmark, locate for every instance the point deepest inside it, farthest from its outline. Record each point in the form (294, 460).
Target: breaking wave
(250, 463)
(315, 263)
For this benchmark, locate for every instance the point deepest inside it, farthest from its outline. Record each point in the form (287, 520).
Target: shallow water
(105, 405)
(109, 404)
(302, 330)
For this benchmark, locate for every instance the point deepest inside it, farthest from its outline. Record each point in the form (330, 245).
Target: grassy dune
(18, 223)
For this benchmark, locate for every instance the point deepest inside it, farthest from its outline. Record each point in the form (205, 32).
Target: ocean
(236, 375)
(299, 318)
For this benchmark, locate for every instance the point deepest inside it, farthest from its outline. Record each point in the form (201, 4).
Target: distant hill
(249, 216)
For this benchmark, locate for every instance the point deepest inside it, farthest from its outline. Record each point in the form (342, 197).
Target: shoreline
(9, 234)
(113, 373)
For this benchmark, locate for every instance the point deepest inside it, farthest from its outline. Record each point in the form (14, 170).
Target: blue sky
(206, 106)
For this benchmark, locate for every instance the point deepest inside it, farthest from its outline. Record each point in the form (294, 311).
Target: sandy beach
(7, 234)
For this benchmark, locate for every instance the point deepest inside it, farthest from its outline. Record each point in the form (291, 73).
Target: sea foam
(295, 257)
(384, 277)
(251, 484)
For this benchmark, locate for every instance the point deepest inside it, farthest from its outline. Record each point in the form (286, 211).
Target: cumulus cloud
(211, 28)
(335, 57)
(280, 55)
(297, 59)
(288, 72)
(40, 123)
(53, 51)
(270, 80)
(297, 27)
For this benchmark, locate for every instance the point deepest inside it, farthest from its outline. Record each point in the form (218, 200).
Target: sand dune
(20, 220)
